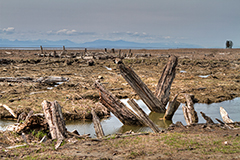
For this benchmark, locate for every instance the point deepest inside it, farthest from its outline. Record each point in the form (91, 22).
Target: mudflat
(211, 75)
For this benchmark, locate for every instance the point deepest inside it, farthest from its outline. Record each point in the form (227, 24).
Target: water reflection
(113, 125)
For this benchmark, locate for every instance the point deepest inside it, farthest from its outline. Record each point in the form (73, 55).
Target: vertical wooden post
(123, 113)
(105, 50)
(143, 116)
(54, 117)
(141, 89)
(97, 125)
(189, 112)
(172, 107)
(164, 84)
(41, 50)
(113, 50)
(64, 49)
(85, 51)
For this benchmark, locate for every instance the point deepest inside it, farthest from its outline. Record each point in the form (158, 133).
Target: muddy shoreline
(211, 75)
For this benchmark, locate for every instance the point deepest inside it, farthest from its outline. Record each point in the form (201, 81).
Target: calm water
(113, 125)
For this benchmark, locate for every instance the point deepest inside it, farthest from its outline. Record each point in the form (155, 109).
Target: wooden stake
(192, 114)
(143, 116)
(123, 113)
(164, 84)
(141, 89)
(172, 107)
(97, 125)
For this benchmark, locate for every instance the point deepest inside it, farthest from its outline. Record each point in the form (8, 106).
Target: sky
(208, 23)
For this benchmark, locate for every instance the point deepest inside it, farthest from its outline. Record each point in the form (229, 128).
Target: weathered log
(141, 89)
(143, 116)
(192, 114)
(172, 107)
(208, 119)
(225, 116)
(49, 79)
(22, 117)
(185, 114)
(9, 110)
(97, 125)
(123, 113)
(54, 117)
(219, 120)
(164, 84)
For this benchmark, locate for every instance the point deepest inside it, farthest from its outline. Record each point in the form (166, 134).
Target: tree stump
(172, 107)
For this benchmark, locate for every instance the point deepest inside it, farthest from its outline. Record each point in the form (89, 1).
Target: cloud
(67, 32)
(9, 30)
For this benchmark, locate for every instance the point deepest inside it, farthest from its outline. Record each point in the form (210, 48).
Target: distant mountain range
(5, 43)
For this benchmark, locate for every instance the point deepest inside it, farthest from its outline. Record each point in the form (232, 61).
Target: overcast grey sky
(208, 23)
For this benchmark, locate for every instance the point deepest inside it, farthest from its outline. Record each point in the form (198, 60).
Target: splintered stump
(97, 125)
(172, 107)
(114, 105)
(54, 117)
(148, 122)
(164, 84)
(225, 116)
(141, 89)
(189, 112)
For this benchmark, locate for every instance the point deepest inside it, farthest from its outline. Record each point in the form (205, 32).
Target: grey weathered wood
(172, 107)
(192, 114)
(141, 89)
(143, 116)
(41, 49)
(185, 114)
(97, 125)
(64, 49)
(114, 105)
(225, 116)
(9, 110)
(164, 84)
(54, 117)
(208, 119)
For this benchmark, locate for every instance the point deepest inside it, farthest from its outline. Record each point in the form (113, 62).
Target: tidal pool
(113, 125)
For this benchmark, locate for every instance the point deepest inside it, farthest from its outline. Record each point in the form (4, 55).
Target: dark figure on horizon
(229, 44)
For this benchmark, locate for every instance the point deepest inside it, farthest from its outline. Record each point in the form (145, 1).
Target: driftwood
(225, 116)
(172, 107)
(97, 125)
(208, 119)
(53, 114)
(49, 79)
(189, 112)
(141, 89)
(123, 113)
(9, 110)
(164, 84)
(143, 116)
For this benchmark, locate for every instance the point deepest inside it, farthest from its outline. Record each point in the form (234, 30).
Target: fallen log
(148, 122)
(164, 84)
(9, 110)
(141, 89)
(49, 79)
(114, 105)
(225, 116)
(208, 119)
(97, 125)
(172, 107)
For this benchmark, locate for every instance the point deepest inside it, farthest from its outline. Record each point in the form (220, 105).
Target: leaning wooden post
(123, 113)
(164, 84)
(9, 110)
(97, 125)
(225, 116)
(143, 116)
(172, 107)
(208, 119)
(141, 89)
